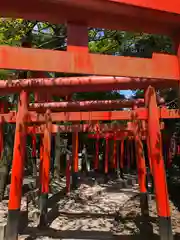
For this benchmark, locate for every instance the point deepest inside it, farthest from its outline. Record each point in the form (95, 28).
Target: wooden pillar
(121, 158)
(17, 169)
(45, 171)
(52, 165)
(106, 156)
(118, 158)
(155, 142)
(115, 153)
(77, 41)
(128, 154)
(34, 152)
(77, 37)
(141, 168)
(68, 173)
(96, 162)
(41, 150)
(149, 154)
(75, 150)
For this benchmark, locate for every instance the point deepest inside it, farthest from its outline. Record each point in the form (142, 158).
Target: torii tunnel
(48, 116)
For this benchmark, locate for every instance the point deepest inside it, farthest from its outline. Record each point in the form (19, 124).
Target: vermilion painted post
(128, 154)
(75, 147)
(149, 154)
(34, 152)
(45, 172)
(41, 151)
(17, 169)
(115, 153)
(121, 158)
(42, 97)
(96, 162)
(155, 142)
(77, 39)
(106, 156)
(141, 168)
(118, 158)
(75, 150)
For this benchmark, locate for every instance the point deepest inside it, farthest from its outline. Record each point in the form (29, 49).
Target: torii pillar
(158, 169)
(17, 169)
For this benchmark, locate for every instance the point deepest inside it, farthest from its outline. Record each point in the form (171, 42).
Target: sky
(127, 93)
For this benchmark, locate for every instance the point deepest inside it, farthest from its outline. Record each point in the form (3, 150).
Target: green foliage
(139, 94)
(13, 30)
(5, 74)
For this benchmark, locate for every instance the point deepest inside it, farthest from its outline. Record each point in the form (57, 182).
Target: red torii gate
(137, 134)
(69, 85)
(92, 127)
(136, 15)
(48, 118)
(140, 113)
(121, 135)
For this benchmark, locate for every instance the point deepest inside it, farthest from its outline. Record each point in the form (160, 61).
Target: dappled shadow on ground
(111, 183)
(143, 224)
(55, 205)
(173, 182)
(70, 215)
(78, 234)
(56, 198)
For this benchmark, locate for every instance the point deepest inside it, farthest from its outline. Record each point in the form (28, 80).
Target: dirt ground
(101, 211)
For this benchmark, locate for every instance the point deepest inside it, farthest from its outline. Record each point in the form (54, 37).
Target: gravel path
(93, 212)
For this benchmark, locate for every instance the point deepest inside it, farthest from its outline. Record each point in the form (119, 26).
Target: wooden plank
(74, 62)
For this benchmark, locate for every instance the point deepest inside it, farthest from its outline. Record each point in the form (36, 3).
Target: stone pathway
(102, 211)
(88, 212)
